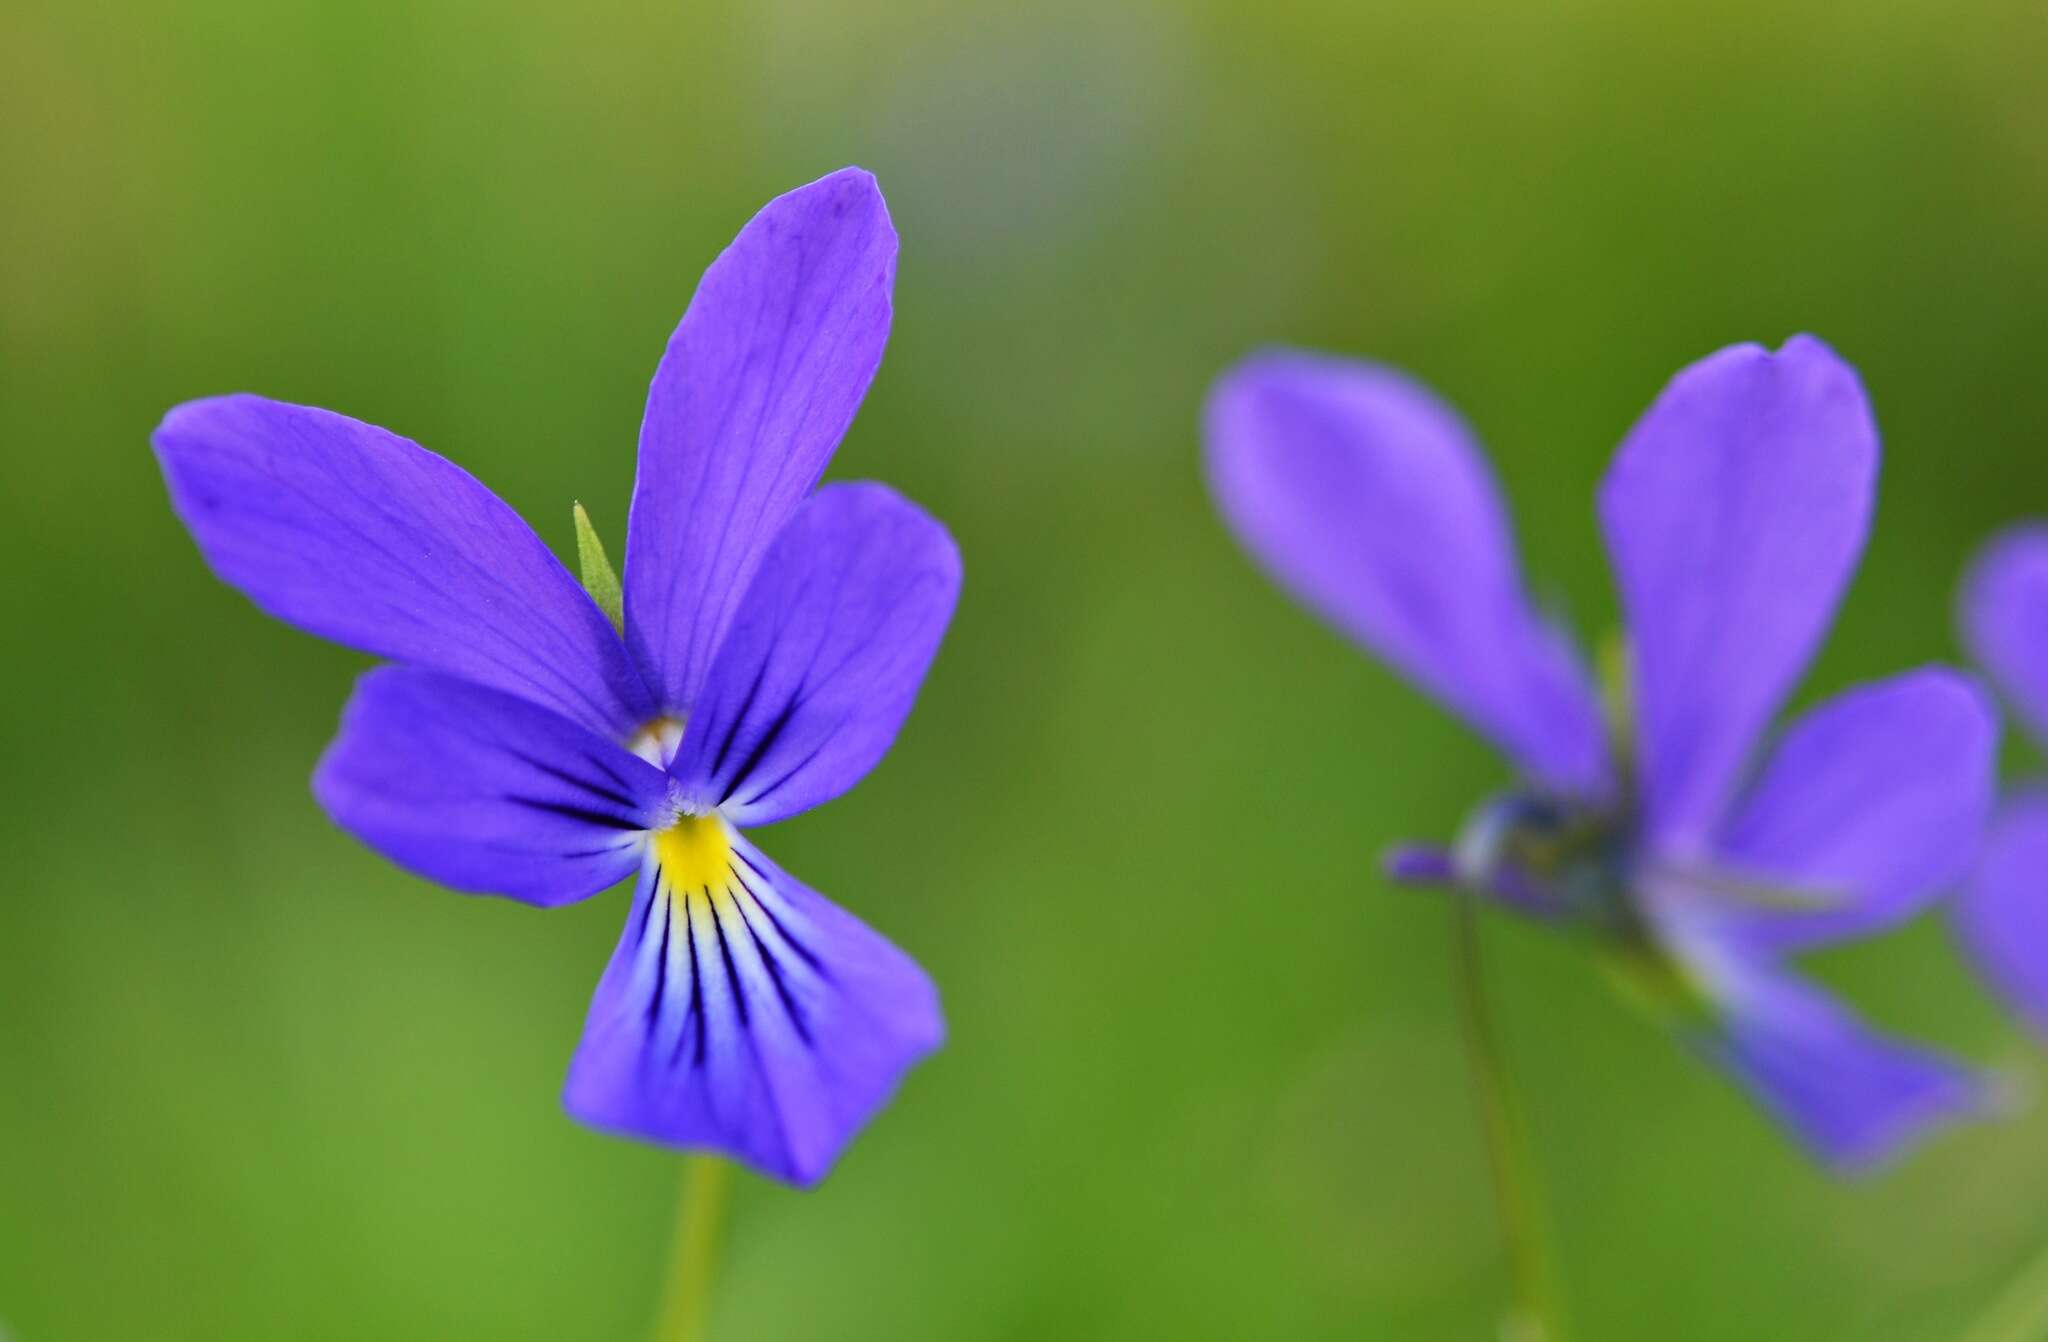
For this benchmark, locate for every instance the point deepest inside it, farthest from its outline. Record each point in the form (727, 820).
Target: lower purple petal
(2002, 914)
(744, 1013)
(1852, 1096)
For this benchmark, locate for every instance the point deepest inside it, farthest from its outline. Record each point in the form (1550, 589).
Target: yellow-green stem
(693, 1260)
(1535, 1310)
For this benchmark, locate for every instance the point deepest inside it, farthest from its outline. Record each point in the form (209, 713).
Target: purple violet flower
(773, 641)
(2001, 914)
(1734, 513)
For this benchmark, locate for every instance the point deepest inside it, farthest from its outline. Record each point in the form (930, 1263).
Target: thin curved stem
(693, 1262)
(2020, 1313)
(1535, 1311)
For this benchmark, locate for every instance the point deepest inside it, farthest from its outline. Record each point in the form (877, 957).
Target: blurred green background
(1203, 1077)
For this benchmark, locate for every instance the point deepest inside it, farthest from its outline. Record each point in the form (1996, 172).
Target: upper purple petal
(2001, 915)
(1364, 496)
(1852, 1096)
(749, 1015)
(753, 395)
(2005, 619)
(363, 537)
(1735, 513)
(826, 658)
(1873, 804)
(485, 791)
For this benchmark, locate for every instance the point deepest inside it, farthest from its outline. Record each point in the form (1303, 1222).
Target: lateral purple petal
(361, 536)
(1364, 497)
(1872, 807)
(1735, 513)
(2005, 619)
(485, 791)
(759, 384)
(1853, 1097)
(2001, 916)
(749, 1015)
(825, 661)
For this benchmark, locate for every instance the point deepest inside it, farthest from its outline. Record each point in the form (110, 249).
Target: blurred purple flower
(1734, 513)
(2002, 912)
(774, 639)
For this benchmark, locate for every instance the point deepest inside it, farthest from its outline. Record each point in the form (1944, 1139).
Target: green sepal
(599, 579)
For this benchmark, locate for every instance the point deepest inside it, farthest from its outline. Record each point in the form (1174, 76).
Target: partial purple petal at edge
(2005, 619)
(2001, 916)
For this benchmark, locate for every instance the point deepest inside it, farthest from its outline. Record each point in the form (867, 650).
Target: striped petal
(746, 1014)
(484, 791)
(825, 661)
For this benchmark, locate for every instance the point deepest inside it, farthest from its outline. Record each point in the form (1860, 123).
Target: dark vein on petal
(583, 814)
(789, 1002)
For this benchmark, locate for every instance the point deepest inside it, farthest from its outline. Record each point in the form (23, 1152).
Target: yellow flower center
(695, 855)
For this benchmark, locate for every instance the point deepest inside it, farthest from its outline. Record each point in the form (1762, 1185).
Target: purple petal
(1852, 1096)
(1364, 497)
(757, 387)
(485, 791)
(1735, 514)
(358, 535)
(2005, 619)
(2002, 914)
(745, 1013)
(826, 658)
(1873, 805)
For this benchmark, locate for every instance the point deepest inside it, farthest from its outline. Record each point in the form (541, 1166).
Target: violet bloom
(1734, 515)
(2002, 912)
(773, 641)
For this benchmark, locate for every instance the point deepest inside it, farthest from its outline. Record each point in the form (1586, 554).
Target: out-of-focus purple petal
(758, 386)
(1735, 514)
(1419, 864)
(1364, 497)
(2005, 619)
(1873, 805)
(826, 657)
(2002, 914)
(1852, 1096)
(745, 1013)
(485, 791)
(361, 536)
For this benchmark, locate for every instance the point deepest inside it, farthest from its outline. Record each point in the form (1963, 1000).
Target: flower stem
(2020, 1313)
(693, 1261)
(1535, 1311)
